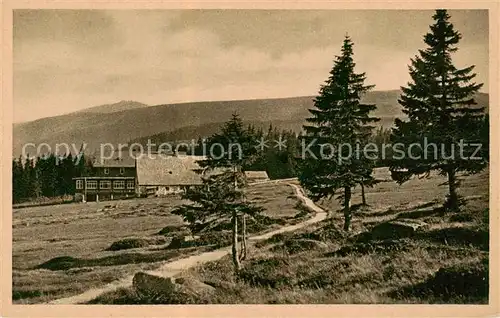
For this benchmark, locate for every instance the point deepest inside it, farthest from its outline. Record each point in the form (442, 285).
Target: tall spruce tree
(338, 130)
(441, 114)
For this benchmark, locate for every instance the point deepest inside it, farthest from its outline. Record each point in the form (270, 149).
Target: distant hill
(106, 124)
(113, 108)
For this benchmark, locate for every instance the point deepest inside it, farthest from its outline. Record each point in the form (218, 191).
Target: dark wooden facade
(109, 180)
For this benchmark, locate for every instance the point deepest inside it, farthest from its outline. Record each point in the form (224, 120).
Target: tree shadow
(392, 211)
(463, 283)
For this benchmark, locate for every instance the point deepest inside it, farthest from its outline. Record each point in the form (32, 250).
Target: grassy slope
(397, 271)
(323, 264)
(81, 231)
(318, 264)
(84, 232)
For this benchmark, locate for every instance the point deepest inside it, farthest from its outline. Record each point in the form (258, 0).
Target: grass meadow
(64, 250)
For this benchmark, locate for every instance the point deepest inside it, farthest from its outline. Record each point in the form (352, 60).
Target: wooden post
(85, 190)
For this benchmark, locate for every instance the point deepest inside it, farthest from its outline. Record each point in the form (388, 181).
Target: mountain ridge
(123, 125)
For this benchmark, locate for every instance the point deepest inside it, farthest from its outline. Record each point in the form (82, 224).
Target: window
(131, 184)
(119, 184)
(92, 184)
(122, 170)
(79, 184)
(106, 170)
(105, 184)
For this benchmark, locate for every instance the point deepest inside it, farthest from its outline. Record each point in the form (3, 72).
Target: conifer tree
(337, 131)
(17, 180)
(439, 103)
(30, 179)
(47, 165)
(223, 192)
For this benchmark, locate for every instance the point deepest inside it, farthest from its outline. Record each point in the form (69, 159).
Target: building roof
(256, 174)
(125, 161)
(168, 170)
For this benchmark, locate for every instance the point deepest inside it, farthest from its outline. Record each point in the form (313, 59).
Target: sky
(68, 60)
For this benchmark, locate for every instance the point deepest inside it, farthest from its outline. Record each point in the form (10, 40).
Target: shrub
(219, 239)
(180, 241)
(216, 239)
(60, 263)
(171, 230)
(461, 217)
(23, 294)
(128, 243)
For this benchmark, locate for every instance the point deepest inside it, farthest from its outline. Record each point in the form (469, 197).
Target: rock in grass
(397, 229)
(170, 290)
(149, 284)
(191, 285)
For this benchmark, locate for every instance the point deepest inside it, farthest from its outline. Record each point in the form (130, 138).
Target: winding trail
(174, 267)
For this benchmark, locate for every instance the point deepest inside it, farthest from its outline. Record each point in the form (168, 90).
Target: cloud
(151, 57)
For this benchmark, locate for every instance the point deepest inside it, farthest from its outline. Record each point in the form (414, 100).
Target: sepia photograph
(250, 156)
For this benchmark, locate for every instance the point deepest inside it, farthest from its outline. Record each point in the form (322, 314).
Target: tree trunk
(243, 238)
(363, 193)
(347, 209)
(236, 260)
(452, 203)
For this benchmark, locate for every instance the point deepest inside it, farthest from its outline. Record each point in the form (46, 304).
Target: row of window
(106, 184)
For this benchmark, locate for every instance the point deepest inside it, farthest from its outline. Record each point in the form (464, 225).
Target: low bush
(214, 239)
(23, 294)
(461, 217)
(128, 243)
(172, 230)
(60, 263)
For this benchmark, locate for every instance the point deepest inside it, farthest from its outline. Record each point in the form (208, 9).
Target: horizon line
(83, 110)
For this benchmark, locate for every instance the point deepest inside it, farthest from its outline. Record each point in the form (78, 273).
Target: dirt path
(172, 268)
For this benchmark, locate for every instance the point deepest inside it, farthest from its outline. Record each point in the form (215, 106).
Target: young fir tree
(339, 128)
(439, 104)
(223, 192)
